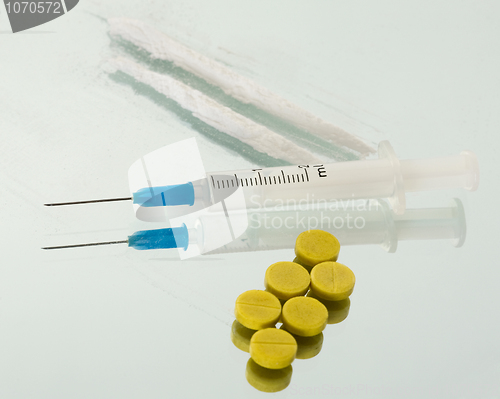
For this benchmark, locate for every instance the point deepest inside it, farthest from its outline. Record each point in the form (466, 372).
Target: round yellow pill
(257, 309)
(332, 281)
(273, 348)
(286, 280)
(316, 246)
(267, 380)
(240, 336)
(304, 316)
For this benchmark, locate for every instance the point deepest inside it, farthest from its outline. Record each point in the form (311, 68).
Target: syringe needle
(90, 201)
(170, 237)
(88, 245)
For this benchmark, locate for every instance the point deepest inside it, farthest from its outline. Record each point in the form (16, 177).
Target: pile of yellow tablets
(304, 295)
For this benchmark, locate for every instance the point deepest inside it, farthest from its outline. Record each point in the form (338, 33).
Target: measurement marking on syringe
(258, 179)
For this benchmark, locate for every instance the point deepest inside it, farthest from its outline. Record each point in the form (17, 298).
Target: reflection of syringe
(386, 177)
(366, 222)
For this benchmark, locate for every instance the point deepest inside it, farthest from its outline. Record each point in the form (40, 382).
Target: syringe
(358, 223)
(385, 177)
(363, 223)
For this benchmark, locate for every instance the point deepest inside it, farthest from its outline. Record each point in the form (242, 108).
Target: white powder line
(161, 46)
(220, 117)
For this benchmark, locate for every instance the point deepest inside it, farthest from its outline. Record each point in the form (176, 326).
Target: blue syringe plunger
(176, 237)
(178, 194)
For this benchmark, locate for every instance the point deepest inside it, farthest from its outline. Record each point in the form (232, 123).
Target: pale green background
(111, 322)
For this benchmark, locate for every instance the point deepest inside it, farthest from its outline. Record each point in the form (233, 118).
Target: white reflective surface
(108, 322)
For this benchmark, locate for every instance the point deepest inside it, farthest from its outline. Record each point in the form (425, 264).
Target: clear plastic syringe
(371, 222)
(385, 177)
(267, 188)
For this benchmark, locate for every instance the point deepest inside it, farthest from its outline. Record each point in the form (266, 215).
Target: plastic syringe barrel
(362, 223)
(386, 177)
(436, 173)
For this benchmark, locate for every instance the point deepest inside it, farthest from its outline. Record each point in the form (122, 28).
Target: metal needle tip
(88, 245)
(90, 201)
